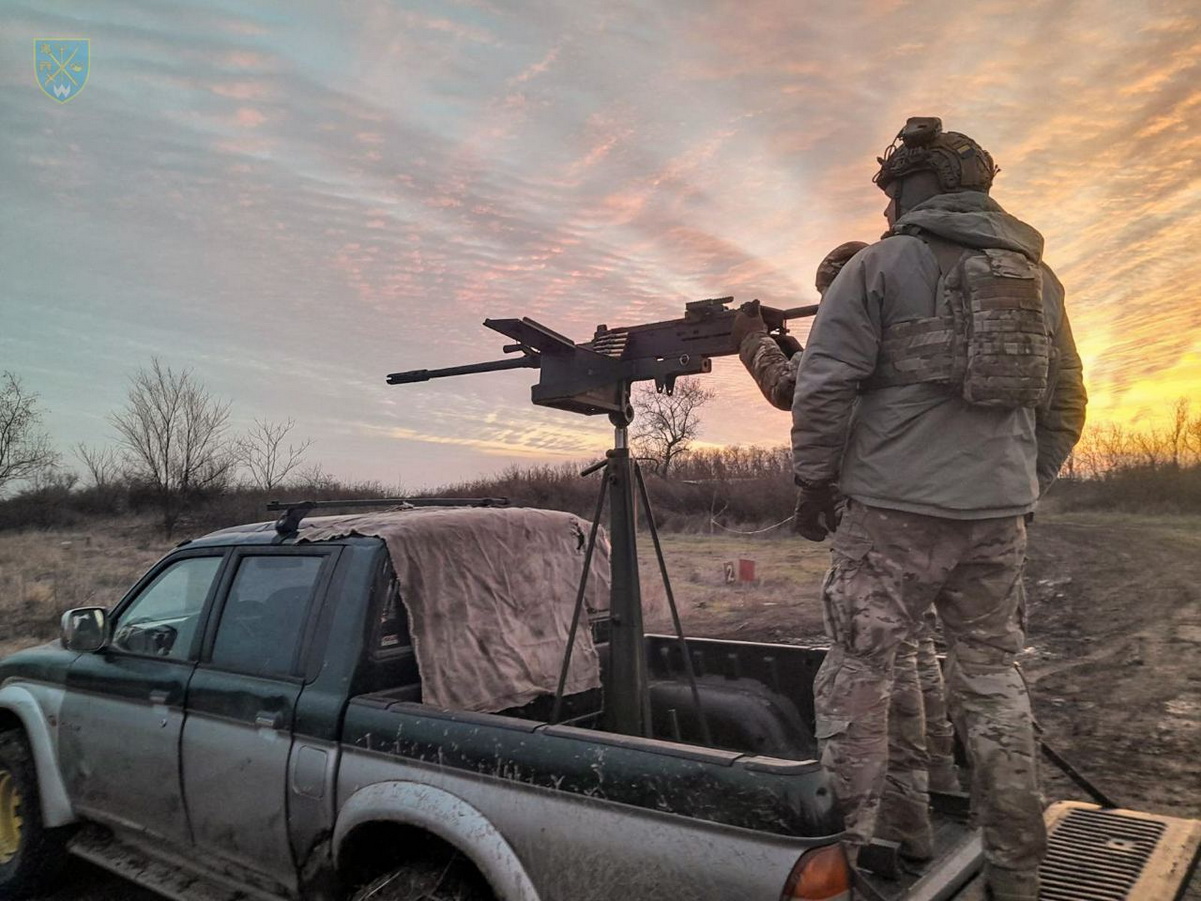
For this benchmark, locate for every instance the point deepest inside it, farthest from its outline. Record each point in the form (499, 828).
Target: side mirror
(84, 629)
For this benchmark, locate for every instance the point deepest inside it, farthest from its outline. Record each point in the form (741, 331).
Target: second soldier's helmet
(959, 163)
(833, 262)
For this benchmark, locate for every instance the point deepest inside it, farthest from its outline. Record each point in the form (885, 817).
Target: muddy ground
(1113, 651)
(1113, 655)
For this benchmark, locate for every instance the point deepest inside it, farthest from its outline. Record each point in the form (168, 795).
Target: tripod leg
(675, 613)
(579, 603)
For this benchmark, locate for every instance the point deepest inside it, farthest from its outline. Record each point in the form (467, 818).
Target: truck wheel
(28, 851)
(425, 881)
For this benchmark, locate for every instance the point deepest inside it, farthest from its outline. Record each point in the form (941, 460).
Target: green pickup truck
(251, 722)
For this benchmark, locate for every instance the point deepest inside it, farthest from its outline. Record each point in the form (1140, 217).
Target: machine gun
(596, 377)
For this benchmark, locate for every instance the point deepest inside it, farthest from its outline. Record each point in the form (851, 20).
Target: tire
(30, 855)
(425, 881)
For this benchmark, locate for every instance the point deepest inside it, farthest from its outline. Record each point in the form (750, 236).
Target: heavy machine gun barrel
(799, 312)
(424, 375)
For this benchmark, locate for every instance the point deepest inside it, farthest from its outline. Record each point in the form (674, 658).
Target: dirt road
(1113, 656)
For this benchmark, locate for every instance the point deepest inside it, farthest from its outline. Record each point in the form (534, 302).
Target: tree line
(1109, 449)
(174, 451)
(174, 448)
(172, 443)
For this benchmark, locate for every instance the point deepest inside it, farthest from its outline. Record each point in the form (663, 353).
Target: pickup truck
(249, 722)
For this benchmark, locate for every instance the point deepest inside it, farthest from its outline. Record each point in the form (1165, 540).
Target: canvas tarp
(490, 594)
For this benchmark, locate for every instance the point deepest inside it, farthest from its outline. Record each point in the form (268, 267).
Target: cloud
(304, 201)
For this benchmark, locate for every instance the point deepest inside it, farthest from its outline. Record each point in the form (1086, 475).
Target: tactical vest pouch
(1007, 346)
(990, 338)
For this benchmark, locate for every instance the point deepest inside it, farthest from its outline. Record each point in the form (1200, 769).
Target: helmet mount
(958, 162)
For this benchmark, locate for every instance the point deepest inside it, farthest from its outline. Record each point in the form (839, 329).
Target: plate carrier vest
(990, 338)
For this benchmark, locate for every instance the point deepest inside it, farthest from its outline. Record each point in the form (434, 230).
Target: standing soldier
(940, 392)
(921, 740)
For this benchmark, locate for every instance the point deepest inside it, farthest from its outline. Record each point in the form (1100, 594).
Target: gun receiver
(594, 377)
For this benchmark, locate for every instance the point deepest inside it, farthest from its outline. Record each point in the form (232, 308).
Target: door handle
(267, 720)
(159, 696)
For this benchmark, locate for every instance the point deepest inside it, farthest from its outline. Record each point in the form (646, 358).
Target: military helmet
(959, 163)
(833, 262)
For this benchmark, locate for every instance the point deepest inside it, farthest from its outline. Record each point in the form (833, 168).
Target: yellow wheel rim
(10, 818)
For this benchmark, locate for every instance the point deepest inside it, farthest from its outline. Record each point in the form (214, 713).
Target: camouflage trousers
(940, 735)
(921, 743)
(888, 568)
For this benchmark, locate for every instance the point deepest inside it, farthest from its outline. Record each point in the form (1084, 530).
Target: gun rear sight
(596, 376)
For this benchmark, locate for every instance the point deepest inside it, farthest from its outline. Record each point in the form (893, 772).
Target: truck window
(264, 615)
(161, 621)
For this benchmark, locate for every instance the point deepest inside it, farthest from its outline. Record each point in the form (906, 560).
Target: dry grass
(779, 605)
(45, 572)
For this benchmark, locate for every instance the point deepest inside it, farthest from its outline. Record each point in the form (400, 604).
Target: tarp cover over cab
(490, 594)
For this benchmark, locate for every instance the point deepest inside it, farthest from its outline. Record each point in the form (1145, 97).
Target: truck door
(238, 734)
(122, 714)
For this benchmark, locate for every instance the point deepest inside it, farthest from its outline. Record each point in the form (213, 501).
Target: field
(1113, 652)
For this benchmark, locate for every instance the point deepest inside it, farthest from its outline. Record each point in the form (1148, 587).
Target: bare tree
(665, 425)
(173, 434)
(263, 454)
(25, 450)
(1194, 438)
(1178, 432)
(315, 478)
(102, 463)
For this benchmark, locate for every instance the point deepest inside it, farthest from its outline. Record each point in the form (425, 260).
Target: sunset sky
(294, 199)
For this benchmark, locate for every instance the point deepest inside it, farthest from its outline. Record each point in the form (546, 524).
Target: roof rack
(295, 511)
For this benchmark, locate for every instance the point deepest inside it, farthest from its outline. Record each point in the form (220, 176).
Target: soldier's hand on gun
(748, 321)
(818, 510)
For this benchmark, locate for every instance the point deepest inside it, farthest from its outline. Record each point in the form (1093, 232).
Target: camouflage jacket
(772, 371)
(922, 448)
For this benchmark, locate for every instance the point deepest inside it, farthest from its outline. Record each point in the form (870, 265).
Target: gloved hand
(748, 321)
(818, 510)
(790, 345)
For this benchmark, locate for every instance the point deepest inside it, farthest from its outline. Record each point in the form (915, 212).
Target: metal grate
(1097, 855)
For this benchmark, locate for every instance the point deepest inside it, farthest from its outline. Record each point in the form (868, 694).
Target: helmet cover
(833, 262)
(958, 162)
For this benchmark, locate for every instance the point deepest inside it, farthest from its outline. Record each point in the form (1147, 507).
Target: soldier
(772, 362)
(921, 739)
(940, 392)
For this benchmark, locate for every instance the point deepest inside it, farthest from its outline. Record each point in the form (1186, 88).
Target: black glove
(818, 510)
(788, 344)
(748, 321)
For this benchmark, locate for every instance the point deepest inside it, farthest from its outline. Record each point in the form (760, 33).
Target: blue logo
(61, 66)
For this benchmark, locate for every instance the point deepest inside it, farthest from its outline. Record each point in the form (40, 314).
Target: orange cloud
(249, 118)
